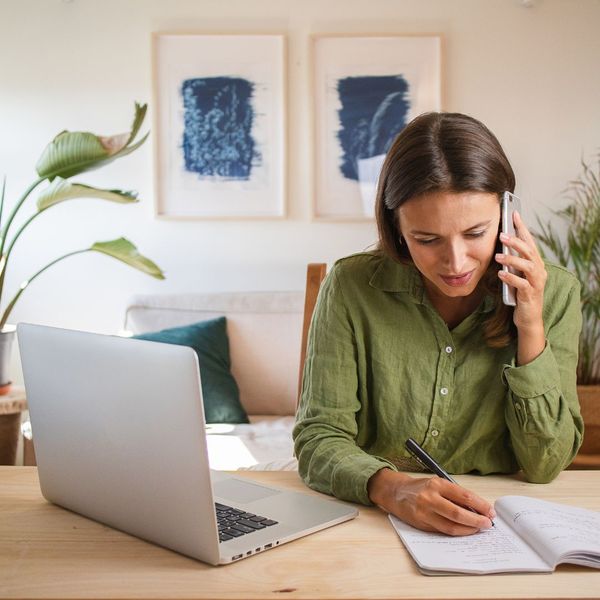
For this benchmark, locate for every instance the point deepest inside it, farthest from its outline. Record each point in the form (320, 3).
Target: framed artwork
(219, 125)
(366, 89)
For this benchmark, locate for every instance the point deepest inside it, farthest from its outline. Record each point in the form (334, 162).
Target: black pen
(429, 463)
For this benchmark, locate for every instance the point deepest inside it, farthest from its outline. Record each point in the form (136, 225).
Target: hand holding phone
(510, 204)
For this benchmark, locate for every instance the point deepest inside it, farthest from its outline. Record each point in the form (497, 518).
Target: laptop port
(237, 556)
(268, 546)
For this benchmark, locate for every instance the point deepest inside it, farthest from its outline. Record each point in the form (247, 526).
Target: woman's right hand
(430, 504)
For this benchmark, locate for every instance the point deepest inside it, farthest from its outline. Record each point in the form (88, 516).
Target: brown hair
(448, 152)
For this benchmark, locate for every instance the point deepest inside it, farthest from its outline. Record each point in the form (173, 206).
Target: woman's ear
(397, 222)
(403, 250)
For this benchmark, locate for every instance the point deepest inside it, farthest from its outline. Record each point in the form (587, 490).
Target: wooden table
(48, 552)
(11, 407)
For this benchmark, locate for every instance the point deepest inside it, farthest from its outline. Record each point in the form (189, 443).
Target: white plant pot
(7, 336)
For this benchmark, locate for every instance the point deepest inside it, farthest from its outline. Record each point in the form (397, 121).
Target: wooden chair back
(315, 273)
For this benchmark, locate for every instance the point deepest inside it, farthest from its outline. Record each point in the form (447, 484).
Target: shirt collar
(395, 277)
(391, 276)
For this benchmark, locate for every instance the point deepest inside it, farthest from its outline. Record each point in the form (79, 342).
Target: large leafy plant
(579, 251)
(68, 154)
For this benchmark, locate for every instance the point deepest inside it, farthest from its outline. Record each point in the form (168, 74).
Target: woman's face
(451, 238)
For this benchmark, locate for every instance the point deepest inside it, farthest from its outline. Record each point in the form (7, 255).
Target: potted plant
(68, 155)
(579, 251)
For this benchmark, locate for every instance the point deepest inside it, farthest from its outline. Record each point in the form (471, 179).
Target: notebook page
(554, 530)
(495, 550)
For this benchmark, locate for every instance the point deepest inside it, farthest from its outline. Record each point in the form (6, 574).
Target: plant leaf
(138, 119)
(61, 189)
(579, 251)
(123, 250)
(73, 152)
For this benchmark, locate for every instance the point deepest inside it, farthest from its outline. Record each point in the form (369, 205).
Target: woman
(413, 340)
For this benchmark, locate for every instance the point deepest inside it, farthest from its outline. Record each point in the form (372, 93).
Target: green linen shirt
(382, 366)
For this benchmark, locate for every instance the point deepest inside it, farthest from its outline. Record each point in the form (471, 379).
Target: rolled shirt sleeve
(329, 459)
(542, 410)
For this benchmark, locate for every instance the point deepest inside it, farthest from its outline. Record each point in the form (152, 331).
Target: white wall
(531, 74)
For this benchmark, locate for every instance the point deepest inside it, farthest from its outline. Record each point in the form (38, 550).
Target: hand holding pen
(429, 463)
(430, 503)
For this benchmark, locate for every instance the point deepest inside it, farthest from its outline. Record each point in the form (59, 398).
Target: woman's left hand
(529, 283)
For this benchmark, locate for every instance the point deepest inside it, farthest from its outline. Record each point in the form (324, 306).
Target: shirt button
(448, 349)
(444, 391)
(435, 433)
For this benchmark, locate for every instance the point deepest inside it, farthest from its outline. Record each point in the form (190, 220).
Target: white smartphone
(510, 203)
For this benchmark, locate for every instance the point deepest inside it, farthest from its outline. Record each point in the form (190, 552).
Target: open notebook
(530, 535)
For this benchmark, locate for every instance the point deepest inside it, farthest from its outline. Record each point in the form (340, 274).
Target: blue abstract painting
(217, 135)
(373, 111)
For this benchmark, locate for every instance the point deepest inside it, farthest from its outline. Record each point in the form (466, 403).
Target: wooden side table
(11, 407)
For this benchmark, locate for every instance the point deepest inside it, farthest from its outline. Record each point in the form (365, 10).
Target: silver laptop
(119, 435)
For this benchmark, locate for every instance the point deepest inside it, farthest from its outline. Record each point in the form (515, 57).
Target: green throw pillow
(219, 390)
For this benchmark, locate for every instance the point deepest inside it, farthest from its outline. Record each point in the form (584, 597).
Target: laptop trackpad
(237, 490)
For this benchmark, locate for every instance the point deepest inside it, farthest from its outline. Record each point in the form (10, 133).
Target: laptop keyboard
(234, 523)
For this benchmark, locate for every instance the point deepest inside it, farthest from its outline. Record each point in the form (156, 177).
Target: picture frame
(219, 125)
(366, 88)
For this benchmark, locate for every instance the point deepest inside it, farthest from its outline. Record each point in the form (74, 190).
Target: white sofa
(264, 331)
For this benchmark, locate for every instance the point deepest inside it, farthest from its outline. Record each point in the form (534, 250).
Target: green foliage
(579, 251)
(126, 252)
(67, 155)
(61, 189)
(73, 152)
